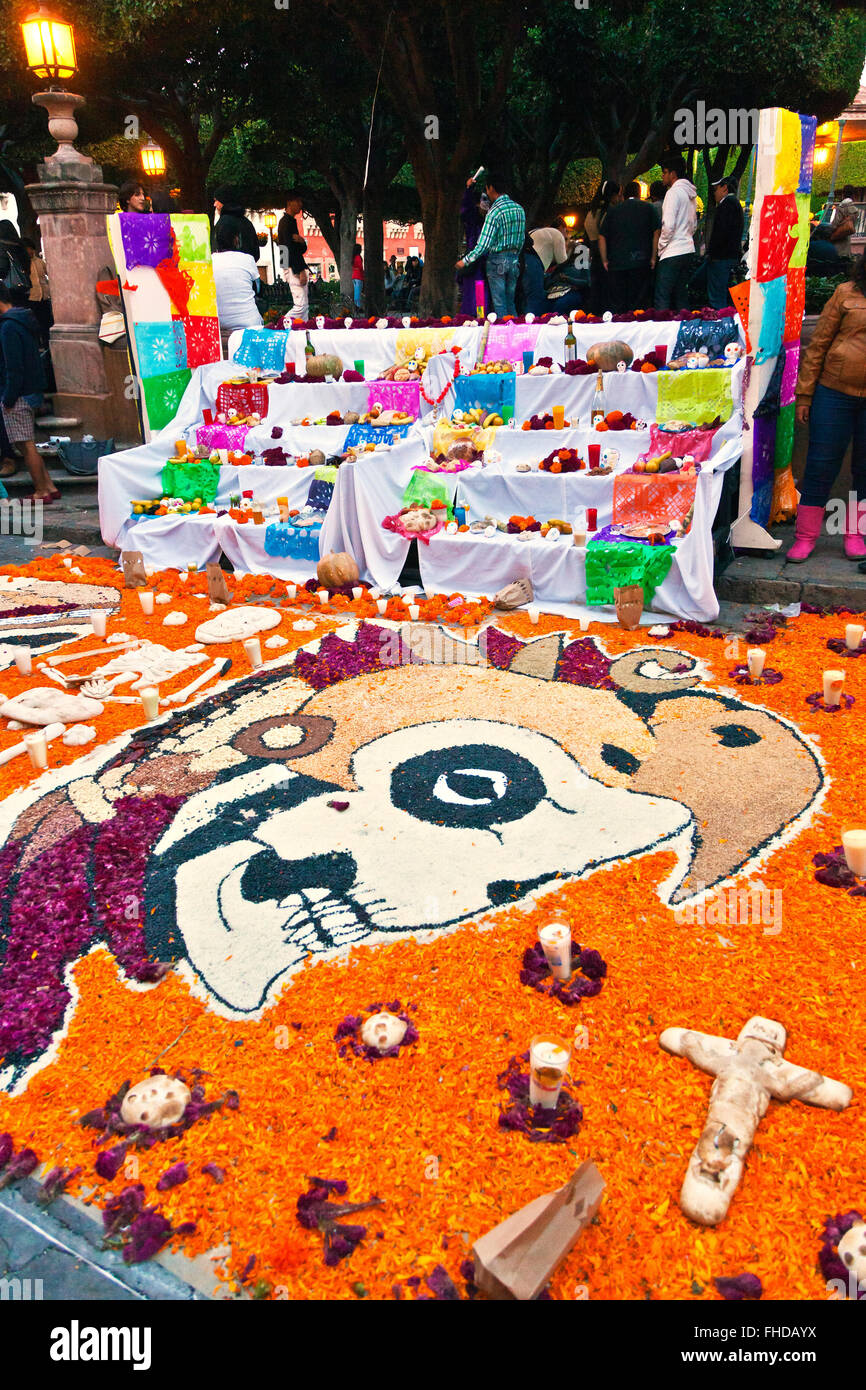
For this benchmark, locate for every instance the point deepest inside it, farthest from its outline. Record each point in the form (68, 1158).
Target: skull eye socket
(736, 735)
(471, 785)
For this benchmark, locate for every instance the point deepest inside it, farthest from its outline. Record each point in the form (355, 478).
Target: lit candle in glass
(556, 944)
(37, 749)
(253, 649)
(149, 697)
(854, 845)
(145, 598)
(24, 661)
(833, 682)
(853, 636)
(755, 657)
(548, 1064)
(99, 621)
(414, 612)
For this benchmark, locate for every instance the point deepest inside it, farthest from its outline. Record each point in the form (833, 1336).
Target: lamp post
(270, 221)
(153, 159)
(72, 201)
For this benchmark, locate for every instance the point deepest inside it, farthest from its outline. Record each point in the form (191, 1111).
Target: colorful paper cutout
(789, 373)
(178, 284)
(783, 506)
(146, 238)
(697, 395)
(772, 318)
(422, 489)
(801, 248)
(161, 347)
(420, 344)
(769, 402)
(190, 479)
(778, 215)
(698, 443)
(202, 294)
(740, 295)
(222, 436)
(808, 126)
(783, 447)
(396, 395)
(712, 334)
(763, 455)
(610, 567)
(510, 341)
(202, 340)
(648, 499)
(264, 348)
(494, 392)
(359, 435)
(163, 395)
(789, 146)
(192, 233)
(796, 303)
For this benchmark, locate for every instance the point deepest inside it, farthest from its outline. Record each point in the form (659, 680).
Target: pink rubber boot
(806, 532)
(854, 546)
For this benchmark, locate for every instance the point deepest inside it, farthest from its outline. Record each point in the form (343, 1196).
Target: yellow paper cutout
(202, 297)
(420, 344)
(696, 394)
(789, 146)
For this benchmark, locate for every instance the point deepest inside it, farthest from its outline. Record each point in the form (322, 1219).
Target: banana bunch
(476, 416)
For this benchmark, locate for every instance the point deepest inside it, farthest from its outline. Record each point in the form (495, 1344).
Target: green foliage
(819, 288)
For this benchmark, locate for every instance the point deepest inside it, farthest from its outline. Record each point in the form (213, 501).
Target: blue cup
(528, 359)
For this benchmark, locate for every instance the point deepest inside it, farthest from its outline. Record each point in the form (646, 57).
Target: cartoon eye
(619, 759)
(472, 785)
(736, 735)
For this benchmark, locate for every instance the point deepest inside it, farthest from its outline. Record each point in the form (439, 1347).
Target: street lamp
(270, 221)
(153, 159)
(49, 44)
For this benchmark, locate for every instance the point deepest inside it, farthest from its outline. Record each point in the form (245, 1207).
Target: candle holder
(831, 869)
(816, 702)
(742, 676)
(839, 647)
(540, 1124)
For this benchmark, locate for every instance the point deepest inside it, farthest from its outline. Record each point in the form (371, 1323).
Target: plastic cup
(37, 749)
(854, 845)
(833, 682)
(357, 592)
(180, 448)
(24, 661)
(414, 612)
(149, 697)
(558, 413)
(98, 621)
(359, 365)
(594, 453)
(528, 359)
(555, 942)
(548, 1064)
(534, 614)
(661, 351)
(145, 598)
(755, 658)
(381, 605)
(253, 649)
(853, 636)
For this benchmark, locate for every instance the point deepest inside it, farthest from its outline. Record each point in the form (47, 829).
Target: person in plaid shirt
(501, 240)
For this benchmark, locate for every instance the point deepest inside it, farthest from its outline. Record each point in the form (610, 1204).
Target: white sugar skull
(733, 352)
(156, 1102)
(383, 1031)
(852, 1252)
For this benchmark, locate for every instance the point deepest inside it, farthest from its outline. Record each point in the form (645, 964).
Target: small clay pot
(628, 603)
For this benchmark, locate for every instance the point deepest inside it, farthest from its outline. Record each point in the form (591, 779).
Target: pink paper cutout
(396, 395)
(222, 436)
(510, 340)
(789, 373)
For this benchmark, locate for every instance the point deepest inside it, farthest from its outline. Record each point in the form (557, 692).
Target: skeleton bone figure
(749, 1073)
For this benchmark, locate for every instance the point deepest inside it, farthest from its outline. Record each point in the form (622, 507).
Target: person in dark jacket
(292, 263)
(14, 263)
(21, 385)
(725, 247)
(227, 201)
(628, 245)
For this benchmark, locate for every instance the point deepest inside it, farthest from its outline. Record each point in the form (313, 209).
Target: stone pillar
(72, 202)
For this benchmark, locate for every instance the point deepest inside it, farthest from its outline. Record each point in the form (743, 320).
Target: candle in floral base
(854, 845)
(381, 605)
(556, 944)
(37, 749)
(756, 656)
(853, 636)
(548, 1064)
(833, 682)
(145, 598)
(533, 613)
(322, 595)
(291, 591)
(414, 612)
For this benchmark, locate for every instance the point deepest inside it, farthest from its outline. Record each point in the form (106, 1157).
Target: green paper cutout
(422, 490)
(162, 396)
(192, 232)
(613, 565)
(802, 230)
(326, 474)
(784, 436)
(696, 394)
(188, 479)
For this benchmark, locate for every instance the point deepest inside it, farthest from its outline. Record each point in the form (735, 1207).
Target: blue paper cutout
(264, 348)
(374, 434)
(161, 347)
(773, 320)
(714, 335)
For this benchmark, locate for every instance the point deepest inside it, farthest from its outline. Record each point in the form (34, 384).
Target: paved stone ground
(826, 578)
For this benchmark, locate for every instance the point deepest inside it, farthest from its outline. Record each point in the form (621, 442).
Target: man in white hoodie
(676, 252)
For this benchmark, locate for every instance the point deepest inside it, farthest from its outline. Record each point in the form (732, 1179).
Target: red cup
(207, 416)
(661, 351)
(594, 451)
(592, 518)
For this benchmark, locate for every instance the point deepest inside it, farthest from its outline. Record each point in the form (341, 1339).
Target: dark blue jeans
(718, 279)
(835, 419)
(672, 281)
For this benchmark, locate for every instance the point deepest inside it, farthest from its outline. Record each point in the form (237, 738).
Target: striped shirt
(504, 229)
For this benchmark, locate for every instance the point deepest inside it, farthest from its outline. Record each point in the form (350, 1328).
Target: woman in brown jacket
(831, 399)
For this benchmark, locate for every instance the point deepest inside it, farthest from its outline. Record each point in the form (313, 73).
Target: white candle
(534, 614)
(291, 591)
(322, 595)
(548, 1063)
(375, 593)
(853, 636)
(414, 612)
(556, 943)
(99, 621)
(24, 661)
(149, 697)
(145, 598)
(381, 604)
(755, 657)
(37, 749)
(253, 649)
(357, 591)
(833, 682)
(854, 845)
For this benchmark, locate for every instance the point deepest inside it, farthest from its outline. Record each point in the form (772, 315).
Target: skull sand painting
(375, 825)
(224, 815)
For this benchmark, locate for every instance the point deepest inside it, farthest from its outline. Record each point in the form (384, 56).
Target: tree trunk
(374, 250)
(439, 214)
(349, 209)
